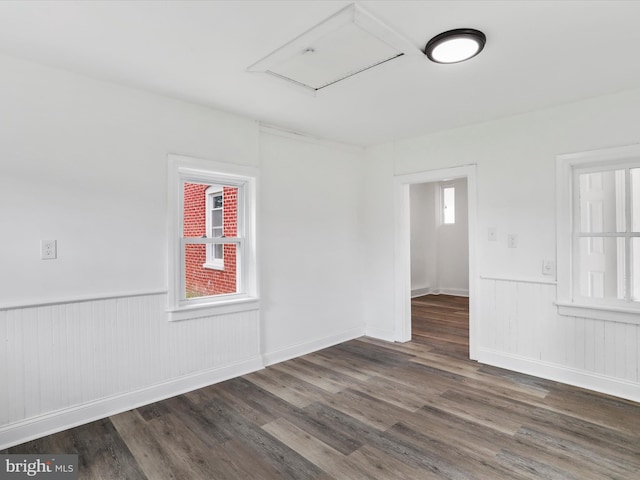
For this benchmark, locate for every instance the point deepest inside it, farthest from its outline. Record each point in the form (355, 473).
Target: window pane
(602, 202)
(221, 213)
(601, 268)
(449, 205)
(216, 218)
(230, 212)
(635, 199)
(194, 200)
(635, 269)
(201, 281)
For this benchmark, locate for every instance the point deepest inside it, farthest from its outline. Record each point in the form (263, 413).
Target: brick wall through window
(200, 280)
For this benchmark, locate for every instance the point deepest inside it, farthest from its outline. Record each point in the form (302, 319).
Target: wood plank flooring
(368, 409)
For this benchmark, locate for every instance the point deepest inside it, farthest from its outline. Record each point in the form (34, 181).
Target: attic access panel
(349, 42)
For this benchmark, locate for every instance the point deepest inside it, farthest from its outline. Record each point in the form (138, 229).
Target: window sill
(214, 266)
(224, 307)
(600, 312)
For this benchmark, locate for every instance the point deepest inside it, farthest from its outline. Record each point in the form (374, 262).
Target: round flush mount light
(455, 46)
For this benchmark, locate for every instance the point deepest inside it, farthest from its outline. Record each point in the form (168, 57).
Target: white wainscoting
(66, 364)
(522, 330)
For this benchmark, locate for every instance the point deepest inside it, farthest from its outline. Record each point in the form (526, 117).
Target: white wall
(378, 225)
(453, 247)
(515, 160)
(439, 253)
(85, 162)
(310, 245)
(424, 240)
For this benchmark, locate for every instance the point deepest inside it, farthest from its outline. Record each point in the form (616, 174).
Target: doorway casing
(402, 248)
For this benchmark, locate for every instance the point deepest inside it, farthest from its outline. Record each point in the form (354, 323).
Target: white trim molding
(455, 292)
(568, 302)
(610, 314)
(239, 304)
(182, 169)
(300, 349)
(402, 251)
(560, 373)
(305, 137)
(28, 303)
(380, 334)
(53, 422)
(123, 354)
(419, 292)
(507, 278)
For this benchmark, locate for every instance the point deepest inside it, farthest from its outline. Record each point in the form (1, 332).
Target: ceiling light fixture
(455, 46)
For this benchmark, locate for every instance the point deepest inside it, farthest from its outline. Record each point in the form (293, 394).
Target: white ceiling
(538, 54)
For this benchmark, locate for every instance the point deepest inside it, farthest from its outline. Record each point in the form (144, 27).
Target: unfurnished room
(319, 239)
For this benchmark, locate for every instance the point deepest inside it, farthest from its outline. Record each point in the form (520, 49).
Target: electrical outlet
(48, 249)
(493, 234)
(512, 240)
(548, 267)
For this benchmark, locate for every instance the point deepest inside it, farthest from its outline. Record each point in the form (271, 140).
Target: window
(448, 205)
(214, 226)
(599, 218)
(212, 240)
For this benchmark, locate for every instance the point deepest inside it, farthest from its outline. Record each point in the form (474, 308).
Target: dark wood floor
(441, 322)
(368, 409)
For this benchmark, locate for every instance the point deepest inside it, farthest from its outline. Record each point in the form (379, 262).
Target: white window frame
(443, 206)
(212, 261)
(193, 170)
(567, 167)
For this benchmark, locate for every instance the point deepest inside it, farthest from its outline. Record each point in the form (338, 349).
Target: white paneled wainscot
(65, 364)
(514, 321)
(522, 330)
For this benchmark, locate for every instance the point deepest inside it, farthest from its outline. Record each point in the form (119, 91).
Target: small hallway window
(448, 205)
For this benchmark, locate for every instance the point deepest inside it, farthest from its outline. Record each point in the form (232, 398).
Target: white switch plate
(493, 234)
(48, 249)
(548, 267)
(512, 240)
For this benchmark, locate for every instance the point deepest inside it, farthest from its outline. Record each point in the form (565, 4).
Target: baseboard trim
(40, 426)
(559, 373)
(380, 334)
(419, 292)
(456, 292)
(304, 348)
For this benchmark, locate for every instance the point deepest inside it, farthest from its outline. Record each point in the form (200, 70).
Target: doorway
(439, 238)
(402, 252)
(440, 265)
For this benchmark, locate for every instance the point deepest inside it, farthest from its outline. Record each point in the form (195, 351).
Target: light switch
(512, 240)
(493, 234)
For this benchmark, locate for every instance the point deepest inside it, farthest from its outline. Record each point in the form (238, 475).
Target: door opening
(440, 265)
(403, 233)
